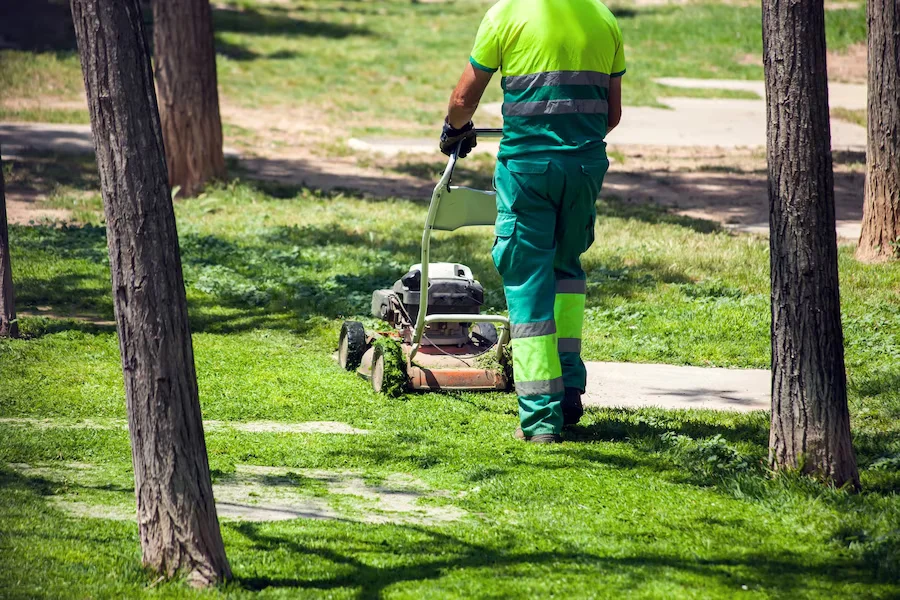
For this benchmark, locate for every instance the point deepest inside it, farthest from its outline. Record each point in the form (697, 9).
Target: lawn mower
(437, 339)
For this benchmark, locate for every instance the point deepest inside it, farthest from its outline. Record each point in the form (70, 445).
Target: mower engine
(453, 291)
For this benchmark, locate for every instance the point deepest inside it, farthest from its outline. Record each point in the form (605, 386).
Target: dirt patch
(23, 208)
(47, 103)
(738, 201)
(296, 145)
(282, 123)
(726, 186)
(848, 66)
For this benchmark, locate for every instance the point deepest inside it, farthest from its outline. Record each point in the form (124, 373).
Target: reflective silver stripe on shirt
(556, 79)
(569, 345)
(537, 388)
(526, 330)
(571, 286)
(555, 107)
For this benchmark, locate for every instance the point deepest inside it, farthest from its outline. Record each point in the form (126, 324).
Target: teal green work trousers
(546, 208)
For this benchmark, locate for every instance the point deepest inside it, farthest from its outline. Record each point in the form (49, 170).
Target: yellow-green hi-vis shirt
(556, 58)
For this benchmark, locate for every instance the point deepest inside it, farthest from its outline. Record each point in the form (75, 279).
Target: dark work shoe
(541, 438)
(572, 409)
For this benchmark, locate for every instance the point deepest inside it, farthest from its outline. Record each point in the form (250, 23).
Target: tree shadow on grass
(437, 553)
(738, 199)
(240, 52)
(625, 424)
(277, 22)
(45, 171)
(68, 294)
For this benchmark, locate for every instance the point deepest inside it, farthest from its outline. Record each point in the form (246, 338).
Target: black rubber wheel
(485, 334)
(352, 345)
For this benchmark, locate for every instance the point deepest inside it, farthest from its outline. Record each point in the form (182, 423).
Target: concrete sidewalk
(634, 385)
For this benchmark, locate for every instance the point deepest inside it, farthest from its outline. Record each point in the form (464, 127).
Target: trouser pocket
(504, 230)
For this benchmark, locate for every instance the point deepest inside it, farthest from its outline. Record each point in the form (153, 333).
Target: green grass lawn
(644, 503)
(349, 60)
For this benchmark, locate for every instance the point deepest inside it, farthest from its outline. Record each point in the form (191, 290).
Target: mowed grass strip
(647, 503)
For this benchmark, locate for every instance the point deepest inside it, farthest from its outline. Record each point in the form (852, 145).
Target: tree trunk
(185, 55)
(881, 209)
(810, 419)
(8, 325)
(179, 529)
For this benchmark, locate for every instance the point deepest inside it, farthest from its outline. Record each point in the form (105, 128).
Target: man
(562, 63)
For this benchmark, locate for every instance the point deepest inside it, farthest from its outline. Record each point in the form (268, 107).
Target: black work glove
(451, 137)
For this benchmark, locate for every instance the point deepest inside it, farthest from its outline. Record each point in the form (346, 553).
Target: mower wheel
(378, 372)
(388, 369)
(486, 333)
(352, 345)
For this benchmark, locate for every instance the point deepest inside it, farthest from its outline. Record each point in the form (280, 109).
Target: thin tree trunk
(185, 56)
(810, 420)
(8, 325)
(881, 210)
(179, 529)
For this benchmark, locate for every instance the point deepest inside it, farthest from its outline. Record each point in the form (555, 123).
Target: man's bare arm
(465, 98)
(615, 103)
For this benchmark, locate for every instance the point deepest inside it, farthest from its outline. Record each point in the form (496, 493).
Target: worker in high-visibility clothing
(562, 63)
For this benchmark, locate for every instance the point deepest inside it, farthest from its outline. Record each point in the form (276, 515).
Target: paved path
(713, 122)
(636, 385)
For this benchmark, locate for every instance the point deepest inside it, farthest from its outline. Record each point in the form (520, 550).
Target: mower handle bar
(421, 319)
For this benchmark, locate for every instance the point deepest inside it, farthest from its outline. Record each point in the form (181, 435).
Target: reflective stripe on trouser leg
(569, 312)
(538, 374)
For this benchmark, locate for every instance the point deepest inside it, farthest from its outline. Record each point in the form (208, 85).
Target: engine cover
(452, 290)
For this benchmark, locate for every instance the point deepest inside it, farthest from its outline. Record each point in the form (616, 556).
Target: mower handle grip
(495, 132)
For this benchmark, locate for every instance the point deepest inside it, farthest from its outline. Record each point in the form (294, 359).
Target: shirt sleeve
(486, 53)
(618, 64)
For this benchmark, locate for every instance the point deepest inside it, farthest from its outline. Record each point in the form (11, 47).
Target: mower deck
(438, 368)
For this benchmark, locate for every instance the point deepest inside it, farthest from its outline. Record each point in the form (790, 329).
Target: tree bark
(185, 55)
(810, 420)
(881, 209)
(179, 529)
(8, 325)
